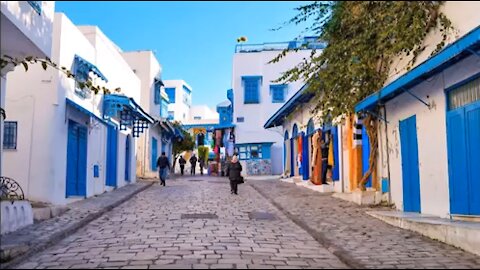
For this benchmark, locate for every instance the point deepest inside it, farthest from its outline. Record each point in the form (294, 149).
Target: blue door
(410, 170)
(76, 160)
(154, 156)
(463, 133)
(305, 154)
(336, 165)
(292, 157)
(112, 144)
(127, 159)
(366, 155)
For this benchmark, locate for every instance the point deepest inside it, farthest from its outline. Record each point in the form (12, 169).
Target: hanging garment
(316, 158)
(331, 160)
(300, 149)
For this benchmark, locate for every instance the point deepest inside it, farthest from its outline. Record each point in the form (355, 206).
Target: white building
(158, 138)
(72, 143)
(430, 144)
(257, 98)
(26, 30)
(180, 97)
(201, 112)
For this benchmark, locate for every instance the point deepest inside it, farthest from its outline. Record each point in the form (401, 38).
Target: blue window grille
(171, 94)
(36, 5)
(240, 119)
(251, 86)
(81, 75)
(250, 151)
(278, 93)
(10, 135)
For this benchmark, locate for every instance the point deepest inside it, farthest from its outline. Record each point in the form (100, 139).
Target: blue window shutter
(251, 86)
(278, 93)
(154, 154)
(156, 92)
(171, 94)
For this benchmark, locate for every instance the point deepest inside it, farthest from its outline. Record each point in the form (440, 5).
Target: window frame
(250, 97)
(14, 140)
(274, 88)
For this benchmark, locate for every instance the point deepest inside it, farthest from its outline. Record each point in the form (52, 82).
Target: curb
(57, 237)
(338, 251)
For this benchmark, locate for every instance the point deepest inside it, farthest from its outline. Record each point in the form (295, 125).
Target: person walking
(233, 171)
(193, 161)
(324, 149)
(164, 164)
(201, 162)
(182, 163)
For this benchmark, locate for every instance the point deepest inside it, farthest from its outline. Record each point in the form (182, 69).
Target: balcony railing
(280, 46)
(36, 5)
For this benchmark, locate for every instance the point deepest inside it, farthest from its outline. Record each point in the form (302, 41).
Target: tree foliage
(187, 144)
(363, 38)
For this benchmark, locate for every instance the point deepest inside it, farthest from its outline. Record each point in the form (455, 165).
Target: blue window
(171, 94)
(240, 119)
(164, 109)
(251, 86)
(36, 5)
(250, 151)
(81, 75)
(10, 135)
(156, 92)
(278, 93)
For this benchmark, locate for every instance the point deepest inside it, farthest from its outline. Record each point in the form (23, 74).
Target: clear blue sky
(193, 41)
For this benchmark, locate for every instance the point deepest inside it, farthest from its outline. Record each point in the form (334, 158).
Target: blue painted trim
(36, 5)
(186, 89)
(129, 103)
(91, 67)
(463, 82)
(302, 96)
(445, 58)
(85, 111)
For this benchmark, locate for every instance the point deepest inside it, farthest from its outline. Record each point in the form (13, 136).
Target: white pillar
(2, 104)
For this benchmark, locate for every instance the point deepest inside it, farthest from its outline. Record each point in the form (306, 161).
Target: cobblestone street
(291, 227)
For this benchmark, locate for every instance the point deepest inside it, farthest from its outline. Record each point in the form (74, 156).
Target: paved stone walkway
(38, 236)
(310, 230)
(148, 232)
(358, 238)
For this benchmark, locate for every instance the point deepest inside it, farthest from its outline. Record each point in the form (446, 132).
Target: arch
(286, 136)
(310, 127)
(294, 131)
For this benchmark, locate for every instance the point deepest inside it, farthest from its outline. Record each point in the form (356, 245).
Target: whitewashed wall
(256, 115)
(180, 109)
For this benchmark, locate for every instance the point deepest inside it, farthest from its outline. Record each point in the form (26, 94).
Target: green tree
(187, 144)
(362, 40)
(203, 152)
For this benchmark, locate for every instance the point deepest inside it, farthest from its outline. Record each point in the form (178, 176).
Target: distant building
(180, 98)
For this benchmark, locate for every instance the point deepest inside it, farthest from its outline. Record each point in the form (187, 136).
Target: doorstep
(461, 234)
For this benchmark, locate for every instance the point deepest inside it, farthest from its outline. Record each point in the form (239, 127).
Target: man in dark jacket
(193, 161)
(182, 163)
(233, 171)
(164, 164)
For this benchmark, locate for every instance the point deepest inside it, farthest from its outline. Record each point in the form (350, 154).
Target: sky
(193, 41)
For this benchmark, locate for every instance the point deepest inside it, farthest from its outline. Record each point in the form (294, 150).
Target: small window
(278, 93)
(197, 118)
(171, 94)
(251, 86)
(251, 151)
(464, 95)
(240, 119)
(10, 135)
(164, 109)
(81, 76)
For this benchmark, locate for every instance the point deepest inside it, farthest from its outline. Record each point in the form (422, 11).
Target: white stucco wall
(39, 106)
(256, 115)
(431, 135)
(203, 111)
(180, 109)
(32, 32)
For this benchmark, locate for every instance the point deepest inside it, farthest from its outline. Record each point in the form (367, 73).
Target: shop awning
(127, 111)
(467, 45)
(301, 97)
(89, 67)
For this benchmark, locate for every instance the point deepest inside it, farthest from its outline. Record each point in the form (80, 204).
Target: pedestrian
(193, 162)
(201, 162)
(324, 149)
(233, 171)
(164, 164)
(182, 163)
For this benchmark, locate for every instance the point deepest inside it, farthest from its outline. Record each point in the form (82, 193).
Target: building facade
(257, 98)
(71, 143)
(26, 30)
(180, 97)
(429, 138)
(159, 137)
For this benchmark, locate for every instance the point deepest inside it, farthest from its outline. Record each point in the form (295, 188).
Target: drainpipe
(388, 156)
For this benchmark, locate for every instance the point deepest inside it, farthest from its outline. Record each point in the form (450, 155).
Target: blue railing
(36, 5)
(280, 46)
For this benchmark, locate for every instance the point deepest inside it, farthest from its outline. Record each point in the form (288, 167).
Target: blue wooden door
(336, 165)
(292, 157)
(112, 144)
(463, 133)
(154, 154)
(76, 160)
(410, 170)
(366, 155)
(127, 159)
(305, 154)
